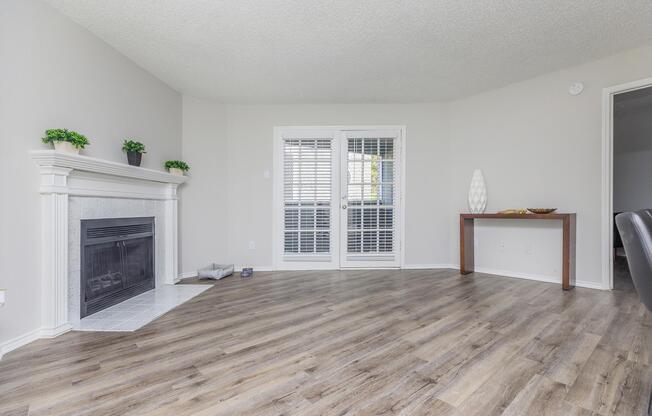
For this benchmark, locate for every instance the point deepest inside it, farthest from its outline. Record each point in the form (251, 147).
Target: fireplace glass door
(103, 270)
(137, 272)
(117, 261)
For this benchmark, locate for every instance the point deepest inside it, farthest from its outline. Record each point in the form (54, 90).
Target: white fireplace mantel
(64, 175)
(98, 177)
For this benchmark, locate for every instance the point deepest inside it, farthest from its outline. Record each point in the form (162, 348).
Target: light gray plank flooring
(418, 342)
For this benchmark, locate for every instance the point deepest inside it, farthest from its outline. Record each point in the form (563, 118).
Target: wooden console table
(568, 241)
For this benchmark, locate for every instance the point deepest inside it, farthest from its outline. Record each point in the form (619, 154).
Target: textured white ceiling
(266, 51)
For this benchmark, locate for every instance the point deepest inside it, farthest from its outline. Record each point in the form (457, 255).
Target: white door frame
(277, 209)
(607, 174)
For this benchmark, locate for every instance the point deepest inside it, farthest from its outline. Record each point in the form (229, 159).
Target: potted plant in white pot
(134, 151)
(65, 140)
(177, 167)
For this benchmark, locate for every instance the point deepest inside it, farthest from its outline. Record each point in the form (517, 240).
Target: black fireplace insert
(117, 261)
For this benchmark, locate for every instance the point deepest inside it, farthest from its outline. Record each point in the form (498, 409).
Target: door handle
(343, 206)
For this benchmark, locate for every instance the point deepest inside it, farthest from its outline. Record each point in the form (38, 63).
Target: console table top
(552, 216)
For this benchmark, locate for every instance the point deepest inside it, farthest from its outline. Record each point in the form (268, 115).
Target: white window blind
(307, 186)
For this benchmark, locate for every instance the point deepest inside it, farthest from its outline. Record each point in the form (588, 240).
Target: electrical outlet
(252, 245)
(501, 246)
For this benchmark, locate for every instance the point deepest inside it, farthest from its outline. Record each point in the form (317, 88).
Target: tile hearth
(138, 311)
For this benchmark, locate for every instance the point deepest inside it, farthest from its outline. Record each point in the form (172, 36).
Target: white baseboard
(509, 273)
(31, 336)
(590, 285)
(518, 275)
(185, 275)
(19, 341)
(426, 266)
(534, 276)
(238, 268)
(429, 266)
(55, 332)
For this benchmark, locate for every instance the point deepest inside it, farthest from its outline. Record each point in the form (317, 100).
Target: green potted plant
(65, 140)
(177, 167)
(134, 151)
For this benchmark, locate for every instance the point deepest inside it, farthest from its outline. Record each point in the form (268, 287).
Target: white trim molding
(31, 336)
(64, 175)
(430, 266)
(505, 273)
(101, 166)
(19, 341)
(607, 175)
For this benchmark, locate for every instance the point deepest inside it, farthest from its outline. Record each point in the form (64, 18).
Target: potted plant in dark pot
(134, 151)
(65, 140)
(177, 167)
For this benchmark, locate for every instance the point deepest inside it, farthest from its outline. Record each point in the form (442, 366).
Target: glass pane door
(103, 270)
(138, 262)
(369, 200)
(337, 198)
(306, 190)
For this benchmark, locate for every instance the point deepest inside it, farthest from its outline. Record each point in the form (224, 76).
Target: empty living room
(326, 207)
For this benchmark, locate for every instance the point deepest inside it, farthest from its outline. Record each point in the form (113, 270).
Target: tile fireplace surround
(75, 187)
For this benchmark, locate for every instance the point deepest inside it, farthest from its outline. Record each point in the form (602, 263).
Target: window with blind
(307, 190)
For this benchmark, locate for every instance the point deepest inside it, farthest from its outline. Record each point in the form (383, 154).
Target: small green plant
(178, 164)
(130, 145)
(64, 135)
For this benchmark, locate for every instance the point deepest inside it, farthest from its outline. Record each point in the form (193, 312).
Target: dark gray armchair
(636, 231)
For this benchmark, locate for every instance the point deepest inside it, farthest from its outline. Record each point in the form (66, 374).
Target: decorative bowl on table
(512, 211)
(542, 210)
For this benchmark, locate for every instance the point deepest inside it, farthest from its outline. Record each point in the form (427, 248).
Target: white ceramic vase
(65, 147)
(176, 171)
(477, 193)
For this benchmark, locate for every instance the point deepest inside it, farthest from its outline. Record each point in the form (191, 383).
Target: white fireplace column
(171, 236)
(54, 250)
(64, 175)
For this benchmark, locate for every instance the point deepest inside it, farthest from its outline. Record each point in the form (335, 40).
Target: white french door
(338, 198)
(369, 187)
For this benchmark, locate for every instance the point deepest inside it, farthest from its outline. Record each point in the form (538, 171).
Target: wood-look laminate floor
(355, 342)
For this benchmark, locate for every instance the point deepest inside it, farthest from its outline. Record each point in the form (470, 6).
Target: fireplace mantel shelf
(52, 158)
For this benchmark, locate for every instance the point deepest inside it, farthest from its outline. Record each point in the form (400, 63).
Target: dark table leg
(466, 245)
(568, 256)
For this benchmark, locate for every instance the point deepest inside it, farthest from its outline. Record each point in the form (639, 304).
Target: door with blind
(369, 188)
(338, 198)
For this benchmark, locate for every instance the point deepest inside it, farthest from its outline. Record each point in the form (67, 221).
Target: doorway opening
(627, 167)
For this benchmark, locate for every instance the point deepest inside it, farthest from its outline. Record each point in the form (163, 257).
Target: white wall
(54, 74)
(249, 194)
(204, 201)
(538, 146)
(633, 160)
